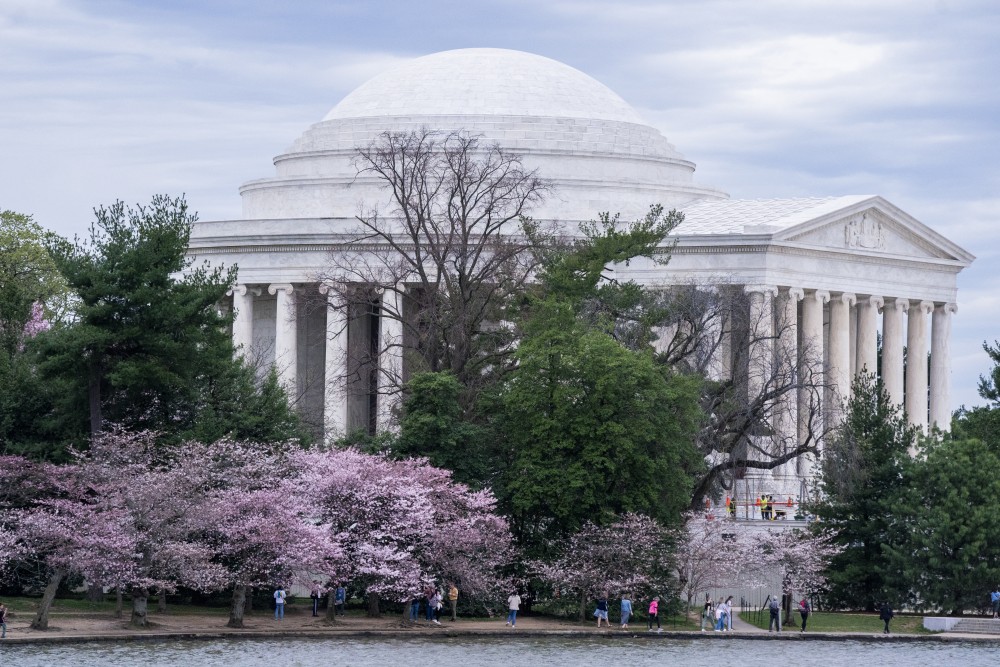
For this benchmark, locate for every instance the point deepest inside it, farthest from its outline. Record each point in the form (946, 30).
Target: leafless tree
(443, 256)
(763, 395)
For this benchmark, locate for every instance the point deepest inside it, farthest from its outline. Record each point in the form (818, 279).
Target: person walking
(886, 615)
(513, 605)
(804, 610)
(775, 609)
(429, 594)
(995, 601)
(729, 613)
(720, 615)
(708, 612)
(626, 610)
(414, 608)
(279, 602)
(339, 600)
(434, 605)
(602, 610)
(453, 599)
(315, 594)
(3, 620)
(654, 615)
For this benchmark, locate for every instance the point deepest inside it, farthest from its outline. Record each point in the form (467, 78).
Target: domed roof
(484, 82)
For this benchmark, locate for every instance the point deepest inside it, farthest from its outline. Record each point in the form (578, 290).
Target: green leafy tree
(862, 480)
(945, 551)
(591, 425)
(433, 426)
(594, 430)
(29, 280)
(28, 275)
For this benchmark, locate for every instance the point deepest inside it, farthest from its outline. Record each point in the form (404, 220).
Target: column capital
(923, 307)
(820, 295)
(876, 301)
(847, 297)
(796, 293)
(761, 289)
(274, 288)
(950, 308)
(243, 290)
(899, 304)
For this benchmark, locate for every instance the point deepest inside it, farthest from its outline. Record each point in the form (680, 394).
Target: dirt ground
(69, 625)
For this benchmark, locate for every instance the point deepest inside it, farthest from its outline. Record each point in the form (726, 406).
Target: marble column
(916, 363)
(811, 373)
(335, 366)
(390, 375)
(761, 353)
(839, 373)
(786, 422)
(868, 310)
(286, 338)
(941, 365)
(243, 317)
(892, 348)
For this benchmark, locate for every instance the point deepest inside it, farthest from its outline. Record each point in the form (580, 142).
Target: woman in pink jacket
(654, 615)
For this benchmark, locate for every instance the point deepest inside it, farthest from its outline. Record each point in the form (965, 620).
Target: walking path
(72, 628)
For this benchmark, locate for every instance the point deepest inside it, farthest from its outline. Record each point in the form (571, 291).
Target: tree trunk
(140, 608)
(161, 602)
(94, 593)
(373, 611)
(331, 608)
(119, 603)
(238, 607)
(41, 621)
(94, 394)
(583, 607)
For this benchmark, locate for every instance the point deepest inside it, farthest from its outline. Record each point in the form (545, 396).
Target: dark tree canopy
(146, 345)
(863, 469)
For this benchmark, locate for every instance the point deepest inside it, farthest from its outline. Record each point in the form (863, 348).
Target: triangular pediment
(874, 226)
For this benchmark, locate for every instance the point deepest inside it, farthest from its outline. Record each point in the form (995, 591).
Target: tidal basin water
(472, 652)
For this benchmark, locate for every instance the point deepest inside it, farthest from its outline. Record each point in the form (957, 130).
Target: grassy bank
(843, 622)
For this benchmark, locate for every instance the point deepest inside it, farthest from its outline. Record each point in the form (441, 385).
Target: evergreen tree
(983, 422)
(861, 485)
(148, 347)
(944, 554)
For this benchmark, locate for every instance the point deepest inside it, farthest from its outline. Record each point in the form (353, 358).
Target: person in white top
(513, 605)
(279, 603)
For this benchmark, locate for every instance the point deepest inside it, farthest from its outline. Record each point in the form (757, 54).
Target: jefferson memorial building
(838, 270)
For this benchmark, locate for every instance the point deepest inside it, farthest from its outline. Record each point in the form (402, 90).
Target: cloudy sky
(101, 100)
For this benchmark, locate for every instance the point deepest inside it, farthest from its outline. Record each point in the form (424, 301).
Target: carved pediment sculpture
(865, 232)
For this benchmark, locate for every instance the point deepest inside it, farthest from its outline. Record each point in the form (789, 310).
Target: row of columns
(335, 408)
(852, 345)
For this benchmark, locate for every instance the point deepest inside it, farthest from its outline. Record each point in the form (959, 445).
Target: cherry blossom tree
(631, 555)
(715, 552)
(404, 524)
(37, 323)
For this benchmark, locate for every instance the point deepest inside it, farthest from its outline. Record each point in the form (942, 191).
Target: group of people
(601, 612)
(316, 594)
(433, 599)
(774, 609)
(719, 614)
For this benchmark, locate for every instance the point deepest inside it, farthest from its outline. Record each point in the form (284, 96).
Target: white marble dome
(489, 82)
(592, 147)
